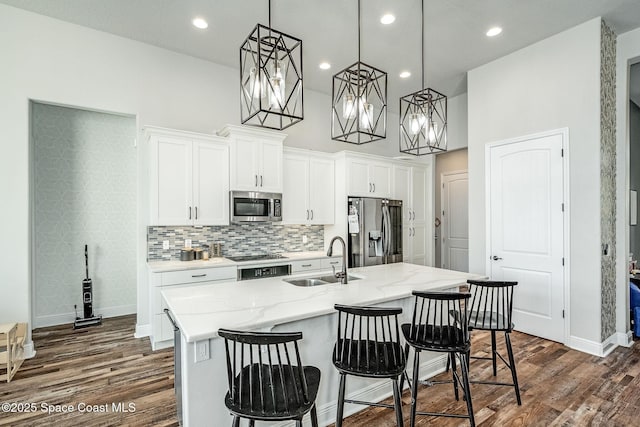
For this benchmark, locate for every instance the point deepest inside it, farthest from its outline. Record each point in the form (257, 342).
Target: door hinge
(563, 207)
(562, 152)
(442, 213)
(443, 185)
(563, 261)
(563, 314)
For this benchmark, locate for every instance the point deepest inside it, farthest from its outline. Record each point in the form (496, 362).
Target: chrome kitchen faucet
(343, 274)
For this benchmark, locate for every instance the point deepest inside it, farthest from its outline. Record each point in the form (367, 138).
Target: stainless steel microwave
(253, 206)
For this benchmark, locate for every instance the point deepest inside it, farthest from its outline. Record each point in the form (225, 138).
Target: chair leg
(298, 423)
(512, 362)
(414, 388)
(236, 421)
(493, 353)
(452, 359)
(252, 423)
(314, 416)
(397, 403)
(341, 389)
(406, 354)
(448, 365)
(467, 389)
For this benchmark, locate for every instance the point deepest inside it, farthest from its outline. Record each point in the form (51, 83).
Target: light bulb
(349, 107)
(416, 123)
(276, 91)
(366, 114)
(433, 133)
(256, 84)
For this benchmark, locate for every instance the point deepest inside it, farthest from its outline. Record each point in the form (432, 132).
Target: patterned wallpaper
(608, 178)
(85, 192)
(244, 239)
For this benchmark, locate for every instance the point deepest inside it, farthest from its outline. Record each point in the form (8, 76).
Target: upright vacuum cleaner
(87, 299)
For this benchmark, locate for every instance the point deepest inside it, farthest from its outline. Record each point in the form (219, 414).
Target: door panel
(526, 231)
(455, 221)
(321, 191)
(210, 184)
(295, 209)
(174, 192)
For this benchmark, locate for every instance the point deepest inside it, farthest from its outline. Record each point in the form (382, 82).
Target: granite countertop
(252, 304)
(176, 265)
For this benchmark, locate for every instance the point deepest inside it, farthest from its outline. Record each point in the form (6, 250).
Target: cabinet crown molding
(150, 131)
(235, 130)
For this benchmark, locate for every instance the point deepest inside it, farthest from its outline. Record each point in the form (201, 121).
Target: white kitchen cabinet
(308, 188)
(161, 327)
(255, 158)
(410, 186)
(189, 178)
(368, 178)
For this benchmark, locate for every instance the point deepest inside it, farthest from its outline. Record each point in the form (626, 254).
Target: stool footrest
(491, 383)
(442, 414)
(361, 402)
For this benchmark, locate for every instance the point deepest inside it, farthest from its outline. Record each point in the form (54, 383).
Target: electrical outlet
(305, 239)
(202, 350)
(165, 244)
(187, 243)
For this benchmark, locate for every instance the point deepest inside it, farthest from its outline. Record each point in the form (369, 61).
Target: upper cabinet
(308, 192)
(368, 178)
(255, 158)
(189, 178)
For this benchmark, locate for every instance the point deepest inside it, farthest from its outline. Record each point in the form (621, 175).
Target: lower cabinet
(313, 265)
(161, 327)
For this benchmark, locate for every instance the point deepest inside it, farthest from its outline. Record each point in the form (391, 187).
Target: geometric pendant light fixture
(423, 118)
(359, 102)
(271, 78)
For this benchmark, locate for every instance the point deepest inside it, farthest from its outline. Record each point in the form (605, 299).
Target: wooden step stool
(12, 337)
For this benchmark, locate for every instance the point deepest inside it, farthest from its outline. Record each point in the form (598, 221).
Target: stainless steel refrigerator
(374, 230)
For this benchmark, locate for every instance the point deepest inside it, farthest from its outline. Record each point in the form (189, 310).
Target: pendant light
(423, 117)
(359, 102)
(271, 78)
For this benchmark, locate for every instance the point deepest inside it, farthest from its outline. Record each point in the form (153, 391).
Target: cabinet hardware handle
(256, 180)
(306, 265)
(307, 213)
(196, 212)
(374, 187)
(334, 262)
(189, 212)
(369, 187)
(311, 213)
(199, 275)
(260, 180)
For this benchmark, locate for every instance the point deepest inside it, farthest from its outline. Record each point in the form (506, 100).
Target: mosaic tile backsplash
(236, 239)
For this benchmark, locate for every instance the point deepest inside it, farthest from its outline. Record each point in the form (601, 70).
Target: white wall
(56, 62)
(457, 130)
(551, 84)
(627, 52)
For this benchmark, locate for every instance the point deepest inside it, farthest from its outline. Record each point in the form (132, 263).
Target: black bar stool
(368, 345)
(267, 381)
(491, 310)
(439, 324)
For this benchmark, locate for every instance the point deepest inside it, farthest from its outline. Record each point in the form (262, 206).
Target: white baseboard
(142, 331)
(64, 318)
(376, 392)
(592, 347)
(625, 339)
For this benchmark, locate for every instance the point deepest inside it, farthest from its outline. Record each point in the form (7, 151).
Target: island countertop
(255, 304)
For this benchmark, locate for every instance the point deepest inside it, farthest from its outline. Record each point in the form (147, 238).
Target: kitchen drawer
(327, 263)
(306, 265)
(197, 275)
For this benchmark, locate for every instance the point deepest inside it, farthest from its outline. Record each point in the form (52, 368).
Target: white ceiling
(454, 31)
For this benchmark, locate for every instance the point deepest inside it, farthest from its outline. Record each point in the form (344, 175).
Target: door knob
(496, 258)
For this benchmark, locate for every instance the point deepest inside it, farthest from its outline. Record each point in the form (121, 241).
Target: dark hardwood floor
(105, 365)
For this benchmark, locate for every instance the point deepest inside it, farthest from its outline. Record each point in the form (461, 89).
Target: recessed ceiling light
(494, 31)
(200, 23)
(325, 65)
(405, 74)
(387, 19)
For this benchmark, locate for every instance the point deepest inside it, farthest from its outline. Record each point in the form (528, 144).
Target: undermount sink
(315, 281)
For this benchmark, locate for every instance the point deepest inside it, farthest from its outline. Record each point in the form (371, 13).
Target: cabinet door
(170, 171)
(407, 243)
(210, 183)
(321, 191)
(380, 178)
(244, 167)
(402, 190)
(295, 209)
(419, 195)
(358, 178)
(418, 244)
(270, 172)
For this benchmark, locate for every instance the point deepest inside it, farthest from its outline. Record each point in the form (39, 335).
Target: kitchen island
(275, 305)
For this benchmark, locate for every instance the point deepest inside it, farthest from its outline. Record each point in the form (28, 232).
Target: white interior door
(455, 221)
(525, 242)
